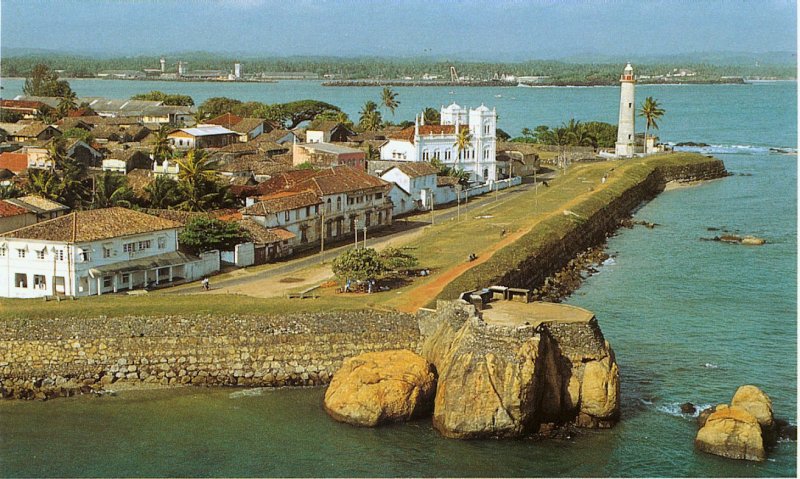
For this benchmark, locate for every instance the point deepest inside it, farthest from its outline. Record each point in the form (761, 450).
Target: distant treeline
(386, 68)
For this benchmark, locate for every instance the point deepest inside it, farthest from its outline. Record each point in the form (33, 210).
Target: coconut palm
(161, 149)
(162, 193)
(111, 189)
(67, 103)
(432, 116)
(200, 116)
(652, 112)
(44, 183)
(463, 141)
(198, 185)
(389, 99)
(370, 118)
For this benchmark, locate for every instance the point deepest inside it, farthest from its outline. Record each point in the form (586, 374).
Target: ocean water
(690, 320)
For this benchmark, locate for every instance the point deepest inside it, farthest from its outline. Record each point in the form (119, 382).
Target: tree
(204, 234)
(8, 116)
(197, 183)
(166, 98)
(359, 264)
(369, 117)
(337, 116)
(10, 191)
(304, 110)
(111, 189)
(45, 82)
(444, 170)
(44, 183)
(502, 135)
(652, 112)
(218, 105)
(432, 116)
(78, 133)
(67, 103)
(161, 149)
(200, 116)
(389, 99)
(463, 141)
(394, 259)
(162, 193)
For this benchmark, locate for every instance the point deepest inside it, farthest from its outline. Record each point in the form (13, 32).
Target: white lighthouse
(626, 129)
(237, 70)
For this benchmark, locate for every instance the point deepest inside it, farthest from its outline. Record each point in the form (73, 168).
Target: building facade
(424, 142)
(94, 252)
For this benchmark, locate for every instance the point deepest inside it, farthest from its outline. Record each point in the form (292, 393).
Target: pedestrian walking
(205, 284)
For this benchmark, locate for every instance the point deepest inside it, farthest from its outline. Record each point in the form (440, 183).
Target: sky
(477, 29)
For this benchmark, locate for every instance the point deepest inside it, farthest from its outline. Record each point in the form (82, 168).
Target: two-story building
(326, 131)
(424, 142)
(94, 252)
(332, 203)
(414, 186)
(327, 155)
(16, 213)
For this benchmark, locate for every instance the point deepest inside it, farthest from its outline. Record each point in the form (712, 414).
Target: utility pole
(433, 217)
(364, 244)
(355, 230)
(322, 238)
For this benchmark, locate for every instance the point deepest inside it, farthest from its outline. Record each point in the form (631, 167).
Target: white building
(424, 142)
(414, 186)
(626, 129)
(95, 252)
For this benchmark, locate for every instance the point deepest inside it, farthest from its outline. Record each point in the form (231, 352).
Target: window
(21, 280)
(106, 252)
(339, 203)
(308, 211)
(20, 253)
(447, 155)
(85, 256)
(126, 278)
(2, 250)
(316, 209)
(59, 254)
(378, 196)
(426, 155)
(369, 217)
(107, 281)
(39, 281)
(630, 105)
(162, 243)
(286, 215)
(296, 215)
(145, 244)
(39, 255)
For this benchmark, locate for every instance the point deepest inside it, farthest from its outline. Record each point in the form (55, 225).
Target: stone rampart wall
(59, 357)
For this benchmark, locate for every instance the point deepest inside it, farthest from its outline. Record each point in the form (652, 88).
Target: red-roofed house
(13, 217)
(28, 109)
(341, 200)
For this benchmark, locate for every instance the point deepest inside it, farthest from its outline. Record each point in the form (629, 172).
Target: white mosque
(424, 142)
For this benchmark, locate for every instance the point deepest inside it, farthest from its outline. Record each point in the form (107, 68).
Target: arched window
(339, 203)
(328, 208)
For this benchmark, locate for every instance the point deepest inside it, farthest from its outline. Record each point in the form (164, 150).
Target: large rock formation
(753, 400)
(732, 432)
(505, 379)
(379, 387)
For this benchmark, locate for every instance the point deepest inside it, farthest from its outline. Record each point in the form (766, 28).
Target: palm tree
(162, 193)
(9, 191)
(200, 116)
(432, 116)
(389, 99)
(161, 149)
(463, 141)
(67, 103)
(111, 189)
(651, 111)
(370, 118)
(44, 183)
(197, 182)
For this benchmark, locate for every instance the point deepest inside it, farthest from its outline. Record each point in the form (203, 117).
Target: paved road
(400, 228)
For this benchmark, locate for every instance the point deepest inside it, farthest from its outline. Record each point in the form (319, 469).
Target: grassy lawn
(539, 213)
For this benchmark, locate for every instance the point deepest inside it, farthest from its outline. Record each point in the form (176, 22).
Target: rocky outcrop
(374, 388)
(506, 381)
(753, 400)
(731, 432)
(741, 430)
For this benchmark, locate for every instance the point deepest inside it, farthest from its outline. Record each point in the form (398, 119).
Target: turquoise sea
(690, 320)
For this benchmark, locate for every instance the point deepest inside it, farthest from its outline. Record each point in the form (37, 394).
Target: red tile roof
(283, 201)
(15, 162)
(21, 104)
(407, 134)
(93, 225)
(415, 169)
(227, 120)
(7, 210)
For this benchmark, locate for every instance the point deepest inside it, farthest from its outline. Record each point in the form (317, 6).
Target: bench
(498, 292)
(519, 294)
